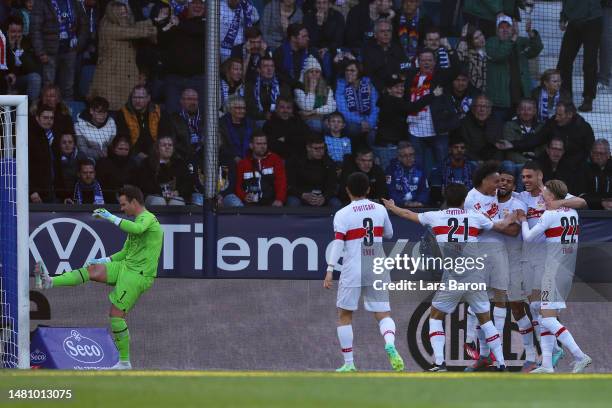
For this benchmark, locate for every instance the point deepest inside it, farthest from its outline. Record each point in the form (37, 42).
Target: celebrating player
(560, 227)
(534, 263)
(455, 225)
(358, 227)
(131, 271)
(483, 198)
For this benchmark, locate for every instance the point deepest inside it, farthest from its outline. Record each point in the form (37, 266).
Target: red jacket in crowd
(265, 177)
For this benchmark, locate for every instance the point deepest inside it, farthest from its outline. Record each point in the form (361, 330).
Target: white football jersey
(487, 205)
(535, 208)
(360, 225)
(557, 226)
(508, 208)
(455, 224)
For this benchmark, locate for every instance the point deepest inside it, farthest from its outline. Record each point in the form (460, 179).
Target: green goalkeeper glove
(103, 214)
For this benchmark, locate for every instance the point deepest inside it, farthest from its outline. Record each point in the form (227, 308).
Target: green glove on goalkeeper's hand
(103, 214)
(97, 261)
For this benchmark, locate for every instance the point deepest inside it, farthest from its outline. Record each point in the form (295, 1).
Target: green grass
(168, 389)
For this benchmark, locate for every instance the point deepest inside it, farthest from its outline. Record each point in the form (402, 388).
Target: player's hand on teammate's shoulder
(389, 204)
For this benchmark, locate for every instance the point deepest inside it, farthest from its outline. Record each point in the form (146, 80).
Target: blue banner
(275, 246)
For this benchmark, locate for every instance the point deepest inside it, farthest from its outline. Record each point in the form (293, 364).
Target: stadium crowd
(413, 93)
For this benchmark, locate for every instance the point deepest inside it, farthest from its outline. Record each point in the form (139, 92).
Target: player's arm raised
(401, 212)
(140, 225)
(570, 202)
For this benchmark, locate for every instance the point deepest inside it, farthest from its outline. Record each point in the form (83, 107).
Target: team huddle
(529, 240)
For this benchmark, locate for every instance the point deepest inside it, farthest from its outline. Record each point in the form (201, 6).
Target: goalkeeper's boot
(580, 365)
(42, 280)
(121, 365)
(347, 368)
(397, 363)
(558, 354)
(479, 365)
(542, 370)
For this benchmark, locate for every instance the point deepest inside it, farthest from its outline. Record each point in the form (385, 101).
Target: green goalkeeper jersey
(143, 245)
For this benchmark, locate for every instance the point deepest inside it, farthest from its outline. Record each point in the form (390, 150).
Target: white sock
(345, 336)
(482, 342)
(493, 341)
(499, 318)
(565, 337)
(547, 342)
(470, 330)
(387, 329)
(437, 339)
(526, 330)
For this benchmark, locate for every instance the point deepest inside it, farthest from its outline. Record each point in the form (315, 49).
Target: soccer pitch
(308, 389)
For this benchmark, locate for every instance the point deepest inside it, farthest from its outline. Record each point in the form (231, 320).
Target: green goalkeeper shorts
(129, 285)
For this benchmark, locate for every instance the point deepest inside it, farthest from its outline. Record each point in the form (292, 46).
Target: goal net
(14, 270)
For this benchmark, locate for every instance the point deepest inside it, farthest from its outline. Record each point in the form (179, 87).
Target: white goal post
(14, 145)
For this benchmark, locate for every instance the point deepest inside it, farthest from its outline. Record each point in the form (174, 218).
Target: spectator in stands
(409, 27)
(277, 16)
(383, 57)
(471, 51)
(605, 49)
(261, 177)
(480, 130)
(88, 55)
(429, 122)
(325, 27)
(406, 182)
(363, 161)
(575, 132)
(24, 11)
(445, 55)
(548, 94)
(251, 52)
(87, 190)
(314, 98)
(58, 29)
(524, 126)
(42, 176)
(361, 20)
(461, 94)
(582, 23)
(95, 129)
(338, 145)
(456, 168)
(236, 16)
(22, 62)
(394, 109)
(183, 57)
(66, 165)
(556, 167)
(50, 95)
(508, 79)
(261, 93)
(290, 57)
(231, 79)
(142, 120)
(163, 177)
(483, 14)
(117, 169)
(357, 101)
(311, 179)
(235, 130)
(286, 131)
(116, 72)
(599, 184)
(186, 126)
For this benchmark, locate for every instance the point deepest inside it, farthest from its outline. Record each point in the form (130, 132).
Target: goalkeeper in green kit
(131, 271)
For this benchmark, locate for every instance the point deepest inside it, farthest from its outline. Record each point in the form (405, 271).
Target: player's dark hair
(532, 165)
(131, 193)
(508, 172)
(455, 194)
(485, 170)
(358, 184)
